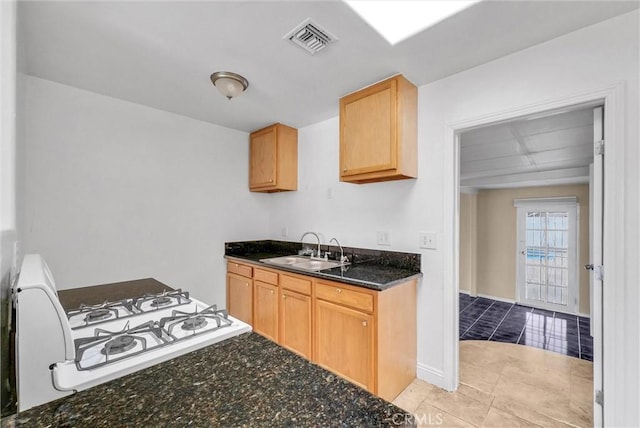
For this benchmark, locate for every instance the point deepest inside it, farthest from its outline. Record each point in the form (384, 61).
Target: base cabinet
(344, 342)
(240, 297)
(366, 336)
(295, 322)
(265, 316)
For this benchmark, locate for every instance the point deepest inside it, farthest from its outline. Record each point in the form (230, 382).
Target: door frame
(612, 97)
(571, 203)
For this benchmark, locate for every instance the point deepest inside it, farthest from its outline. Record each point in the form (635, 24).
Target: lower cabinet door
(240, 297)
(265, 310)
(295, 322)
(344, 342)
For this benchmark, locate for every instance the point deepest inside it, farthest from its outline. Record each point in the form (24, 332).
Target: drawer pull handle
(364, 323)
(338, 290)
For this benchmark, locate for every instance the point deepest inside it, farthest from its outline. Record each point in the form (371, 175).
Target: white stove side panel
(38, 346)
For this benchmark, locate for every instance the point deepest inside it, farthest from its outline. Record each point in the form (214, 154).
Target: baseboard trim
(431, 375)
(499, 299)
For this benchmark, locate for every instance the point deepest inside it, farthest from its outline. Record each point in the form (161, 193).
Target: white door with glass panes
(547, 253)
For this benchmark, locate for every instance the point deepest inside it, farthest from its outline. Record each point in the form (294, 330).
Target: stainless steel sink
(303, 263)
(286, 260)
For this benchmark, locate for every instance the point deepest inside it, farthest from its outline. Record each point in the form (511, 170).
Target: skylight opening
(397, 20)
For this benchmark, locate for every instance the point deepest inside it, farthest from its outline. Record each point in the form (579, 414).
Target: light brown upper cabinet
(378, 132)
(273, 159)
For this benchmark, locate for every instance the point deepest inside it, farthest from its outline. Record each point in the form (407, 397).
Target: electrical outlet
(428, 240)
(284, 232)
(384, 238)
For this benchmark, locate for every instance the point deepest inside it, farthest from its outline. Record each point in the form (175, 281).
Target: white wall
(115, 191)
(7, 182)
(8, 116)
(585, 60)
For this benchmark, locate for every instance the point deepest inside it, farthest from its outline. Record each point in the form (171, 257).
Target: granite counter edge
(320, 275)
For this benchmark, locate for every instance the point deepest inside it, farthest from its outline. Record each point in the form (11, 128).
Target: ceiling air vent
(310, 36)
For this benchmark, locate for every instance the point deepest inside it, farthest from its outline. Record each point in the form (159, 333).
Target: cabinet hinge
(598, 148)
(599, 397)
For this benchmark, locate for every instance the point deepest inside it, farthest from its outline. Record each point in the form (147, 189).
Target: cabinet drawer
(293, 283)
(265, 276)
(240, 269)
(339, 294)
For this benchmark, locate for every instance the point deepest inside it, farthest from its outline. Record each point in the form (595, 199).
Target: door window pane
(546, 266)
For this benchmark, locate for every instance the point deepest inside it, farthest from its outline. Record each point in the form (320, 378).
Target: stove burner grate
(161, 301)
(165, 299)
(195, 323)
(118, 345)
(98, 315)
(197, 320)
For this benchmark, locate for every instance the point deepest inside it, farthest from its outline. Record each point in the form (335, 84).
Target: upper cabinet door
(263, 149)
(368, 124)
(273, 159)
(378, 132)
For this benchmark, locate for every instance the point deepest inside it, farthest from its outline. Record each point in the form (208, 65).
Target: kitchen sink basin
(303, 263)
(286, 261)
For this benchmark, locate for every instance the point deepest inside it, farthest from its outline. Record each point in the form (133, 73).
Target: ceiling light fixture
(229, 84)
(397, 20)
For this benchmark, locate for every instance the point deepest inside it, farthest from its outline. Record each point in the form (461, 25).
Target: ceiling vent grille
(310, 36)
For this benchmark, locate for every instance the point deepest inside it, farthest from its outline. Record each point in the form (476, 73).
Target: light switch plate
(428, 240)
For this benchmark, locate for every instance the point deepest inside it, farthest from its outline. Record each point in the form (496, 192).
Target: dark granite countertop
(244, 381)
(373, 269)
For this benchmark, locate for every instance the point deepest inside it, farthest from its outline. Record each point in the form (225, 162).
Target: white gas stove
(58, 352)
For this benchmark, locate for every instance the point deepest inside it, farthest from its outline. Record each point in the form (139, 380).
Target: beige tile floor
(507, 385)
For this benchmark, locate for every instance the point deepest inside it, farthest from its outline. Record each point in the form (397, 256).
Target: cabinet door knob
(284, 296)
(364, 323)
(271, 181)
(246, 284)
(338, 290)
(271, 291)
(236, 264)
(345, 169)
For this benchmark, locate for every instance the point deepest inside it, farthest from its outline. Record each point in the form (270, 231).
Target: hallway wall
(496, 239)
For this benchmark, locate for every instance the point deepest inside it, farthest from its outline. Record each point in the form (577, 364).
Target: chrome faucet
(317, 237)
(343, 259)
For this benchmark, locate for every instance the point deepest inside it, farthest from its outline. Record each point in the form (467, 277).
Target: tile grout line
(524, 326)
(553, 326)
(579, 343)
(500, 323)
(466, 307)
(474, 323)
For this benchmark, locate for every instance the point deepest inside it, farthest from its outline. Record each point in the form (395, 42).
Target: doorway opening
(526, 221)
